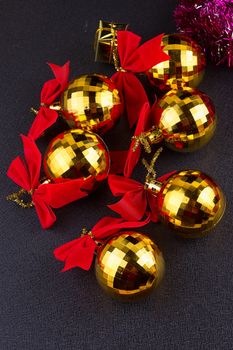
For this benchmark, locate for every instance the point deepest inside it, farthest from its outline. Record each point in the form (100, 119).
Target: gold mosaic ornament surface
(106, 40)
(185, 67)
(191, 203)
(186, 119)
(129, 265)
(76, 154)
(91, 102)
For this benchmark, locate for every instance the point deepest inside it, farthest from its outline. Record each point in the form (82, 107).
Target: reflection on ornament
(189, 201)
(76, 154)
(90, 102)
(184, 119)
(129, 265)
(185, 67)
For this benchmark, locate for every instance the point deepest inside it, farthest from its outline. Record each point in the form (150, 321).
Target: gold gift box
(106, 40)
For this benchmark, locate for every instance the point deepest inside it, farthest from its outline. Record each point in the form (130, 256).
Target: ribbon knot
(122, 70)
(49, 93)
(86, 232)
(42, 104)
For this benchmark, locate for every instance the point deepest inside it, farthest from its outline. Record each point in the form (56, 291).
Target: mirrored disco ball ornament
(185, 66)
(76, 154)
(129, 266)
(190, 202)
(186, 119)
(90, 102)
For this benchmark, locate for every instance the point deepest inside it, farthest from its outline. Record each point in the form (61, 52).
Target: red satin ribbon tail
(144, 120)
(33, 160)
(133, 94)
(61, 73)
(135, 97)
(118, 159)
(45, 118)
(132, 206)
(18, 173)
(149, 54)
(54, 87)
(26, 174)
(134, 155)
(77, 253)
(127, 43)
(83, 260)
(132, 160)
(45, 213)
(84, 264)
(61, 253)
(137, 58)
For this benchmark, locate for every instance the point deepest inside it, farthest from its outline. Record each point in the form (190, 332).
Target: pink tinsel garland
(210, 23)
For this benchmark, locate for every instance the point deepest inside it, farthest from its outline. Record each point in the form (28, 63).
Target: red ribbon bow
(125, 161)
(26, 174)
(135, 198)
(135, 59)
(80, 251)
(49, 93)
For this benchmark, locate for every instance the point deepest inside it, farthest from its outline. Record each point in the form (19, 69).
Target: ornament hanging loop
(141, 140)
(17, 198)
(85, 232)
(151, 172)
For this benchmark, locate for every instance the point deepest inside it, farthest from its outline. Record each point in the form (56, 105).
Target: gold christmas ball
(91, 102)
(76, 154)
(185, 66)
(191, 203)
(129, 266)
(186, 119)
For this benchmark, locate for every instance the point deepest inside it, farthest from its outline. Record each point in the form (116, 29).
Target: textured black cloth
(43, 309)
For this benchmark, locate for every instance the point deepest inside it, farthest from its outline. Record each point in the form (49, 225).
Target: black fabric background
(42, 308)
